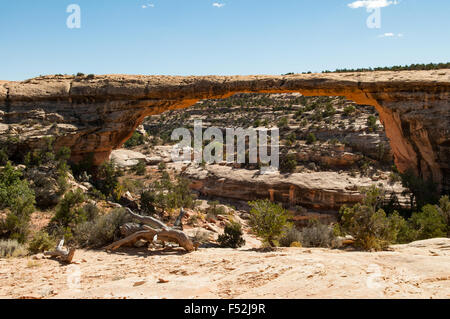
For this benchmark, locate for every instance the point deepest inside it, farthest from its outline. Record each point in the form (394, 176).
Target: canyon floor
(416, 270)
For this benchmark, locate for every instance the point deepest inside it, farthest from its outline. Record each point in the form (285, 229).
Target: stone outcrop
(98, 114)
(322, 191)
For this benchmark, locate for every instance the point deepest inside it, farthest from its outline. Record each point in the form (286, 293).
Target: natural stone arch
(105, 110)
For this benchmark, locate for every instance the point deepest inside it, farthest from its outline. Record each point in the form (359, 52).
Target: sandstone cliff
(96, 114)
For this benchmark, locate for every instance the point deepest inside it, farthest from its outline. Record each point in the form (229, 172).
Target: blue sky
(224, 37)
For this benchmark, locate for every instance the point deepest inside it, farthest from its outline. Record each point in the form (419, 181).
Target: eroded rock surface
(98, 114)
(315, 190)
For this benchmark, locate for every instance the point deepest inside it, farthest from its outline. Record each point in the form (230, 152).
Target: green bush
(283, 122)
(368, 223)
(147, 203)
(41, 242)
(140, 168)
(311, 138)
(134, 186)
(90, 211)
(68, 212)
(214, 209)
(317, 234)
(329, 111)
(428, 223)
(232, 236)
(3, 156)
(41, 156)
(107, 180)
(102, 230)
(288, 163)
(268, 220)
(372, 123)
(422, 192)
(444, 210)
(171, 195)
(16, 196)
(349, 109)
(12, 248)
(135, 140)
(291, 236)
(162, 166)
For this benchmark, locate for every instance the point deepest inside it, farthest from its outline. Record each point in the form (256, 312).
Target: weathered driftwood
(61, 253)
(147, 220)
(153, 230)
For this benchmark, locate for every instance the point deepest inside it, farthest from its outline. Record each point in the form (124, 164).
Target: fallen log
(153, 230)
(61, 253)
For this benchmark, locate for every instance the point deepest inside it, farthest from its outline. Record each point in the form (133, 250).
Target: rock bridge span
(96, 114)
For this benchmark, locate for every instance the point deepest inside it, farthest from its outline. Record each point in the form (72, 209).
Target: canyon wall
(96, 114)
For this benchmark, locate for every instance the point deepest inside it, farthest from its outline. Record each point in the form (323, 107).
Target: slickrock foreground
(416, 270)
(96, 114)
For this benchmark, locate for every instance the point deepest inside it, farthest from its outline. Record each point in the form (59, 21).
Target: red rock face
(96, 115)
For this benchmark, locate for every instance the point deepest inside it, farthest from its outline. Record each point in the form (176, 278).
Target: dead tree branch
(153, 229)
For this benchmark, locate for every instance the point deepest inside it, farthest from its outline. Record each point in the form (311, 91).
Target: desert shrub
(48, 156)
(349, 109)
(41, 242)
(444, 210)
(394, 178)
(69, 213)
(372, 123)
(299, 114)
(162, 166)
(147, 203)
(329, 110)
(3, 156)
(232, 236)
(268, 220)
(140, 168)
(90, 211)
(215, 209)
(257, 123)
(96, 194)
(194, 219)
(41, 156)
(422, 192)
(135, 140)
(107, 180)
(317, 115)
(283, 122)
(296, 244)
(171, 195)
(288, 163)
(428, 223)
(201, 236)
(368, 223)
(16, 196)
(12, 248)
(132, 185)
(311, 138)
(292, 137)
(63, 169)
(291, 236)
(102, 230)
(317, 234)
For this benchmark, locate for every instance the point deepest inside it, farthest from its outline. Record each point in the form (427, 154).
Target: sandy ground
(417, 270)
